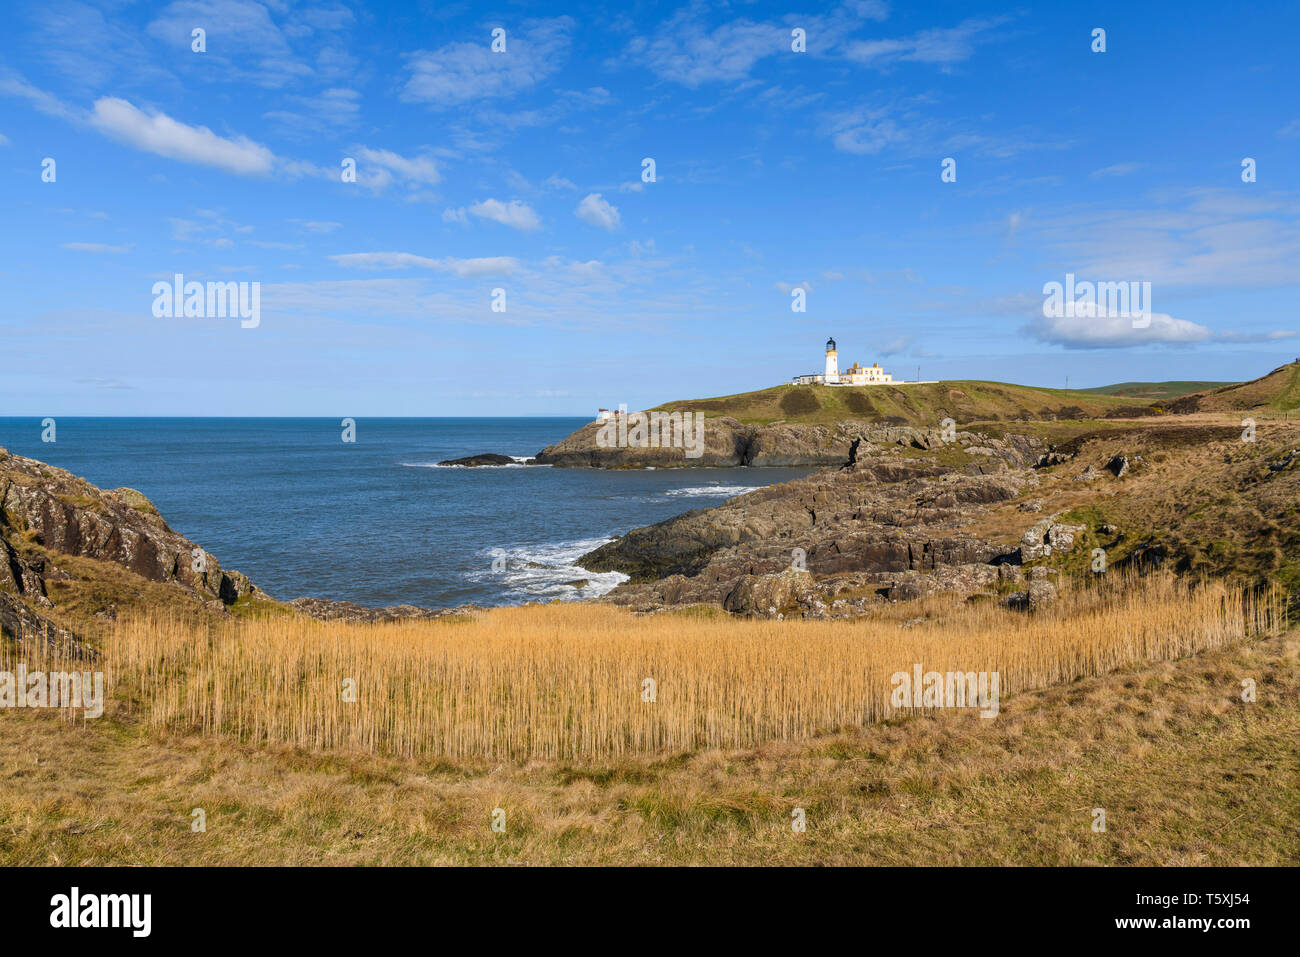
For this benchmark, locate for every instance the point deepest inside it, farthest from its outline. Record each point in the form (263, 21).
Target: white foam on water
(544, 572)
(703, 491)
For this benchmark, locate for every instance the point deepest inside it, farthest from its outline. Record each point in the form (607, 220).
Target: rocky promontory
(730, 443)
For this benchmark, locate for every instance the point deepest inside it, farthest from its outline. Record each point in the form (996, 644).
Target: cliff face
(730, 443)
(64, 545)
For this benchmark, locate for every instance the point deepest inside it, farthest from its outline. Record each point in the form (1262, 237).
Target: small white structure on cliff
(854, 375)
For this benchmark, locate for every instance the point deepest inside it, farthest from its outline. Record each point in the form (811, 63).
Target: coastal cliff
(73, 555)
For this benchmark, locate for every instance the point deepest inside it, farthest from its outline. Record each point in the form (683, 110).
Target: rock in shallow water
(487, 458)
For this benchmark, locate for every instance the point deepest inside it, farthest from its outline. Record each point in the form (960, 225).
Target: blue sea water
(301, 512)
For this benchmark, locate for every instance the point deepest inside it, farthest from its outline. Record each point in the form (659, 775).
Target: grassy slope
(1278, 391)
(1187, 774)
(921, 404)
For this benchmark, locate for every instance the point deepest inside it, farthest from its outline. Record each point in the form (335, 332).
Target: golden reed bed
(568, 681)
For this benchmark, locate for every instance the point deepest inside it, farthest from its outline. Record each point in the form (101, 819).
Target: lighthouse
(832, 362)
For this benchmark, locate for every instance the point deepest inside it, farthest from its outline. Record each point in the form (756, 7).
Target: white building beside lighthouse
(854, 375)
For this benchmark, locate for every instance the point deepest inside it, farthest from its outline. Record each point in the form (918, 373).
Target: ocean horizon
(377, 521)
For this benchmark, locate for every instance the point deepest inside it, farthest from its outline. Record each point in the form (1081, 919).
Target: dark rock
(487, 458)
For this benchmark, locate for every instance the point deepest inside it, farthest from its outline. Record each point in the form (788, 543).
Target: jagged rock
(1118, 466)
(1087, 475)
(1038, 593)
(20, 623)
(1052, 457)
(1061, 537)
(768, 595)
(1010, 573)
(1032, 553)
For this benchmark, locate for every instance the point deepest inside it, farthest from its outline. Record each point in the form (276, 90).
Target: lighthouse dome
(830, 345)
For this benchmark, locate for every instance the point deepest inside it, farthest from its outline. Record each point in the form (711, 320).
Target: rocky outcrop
(47, 513)
(27, 627)
(351, 612)
(886, 529)
(66, 514)
(730, 443)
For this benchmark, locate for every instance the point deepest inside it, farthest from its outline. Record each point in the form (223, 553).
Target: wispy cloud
(469, 72)
(462, 268)
(1119, 169)
(941, 47)
(96, 248)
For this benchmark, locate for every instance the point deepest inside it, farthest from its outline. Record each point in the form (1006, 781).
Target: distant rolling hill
(1156, 391)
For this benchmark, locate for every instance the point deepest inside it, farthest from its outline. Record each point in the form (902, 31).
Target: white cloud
(515, 214)
(470, 72)
(1115, 332)
(597, 212)
(463, 268)
(96, 248)
(379, 169)
(164, 136)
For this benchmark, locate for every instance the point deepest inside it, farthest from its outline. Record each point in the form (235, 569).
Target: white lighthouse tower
(832, 362)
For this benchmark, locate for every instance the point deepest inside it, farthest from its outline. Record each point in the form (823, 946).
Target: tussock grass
(565, 682)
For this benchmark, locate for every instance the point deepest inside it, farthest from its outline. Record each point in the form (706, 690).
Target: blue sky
(522, 171)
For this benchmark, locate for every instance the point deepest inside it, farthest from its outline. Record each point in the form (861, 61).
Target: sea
(377, 521)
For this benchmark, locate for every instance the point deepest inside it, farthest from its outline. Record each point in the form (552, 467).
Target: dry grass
(566, 682)
(1187, 772)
